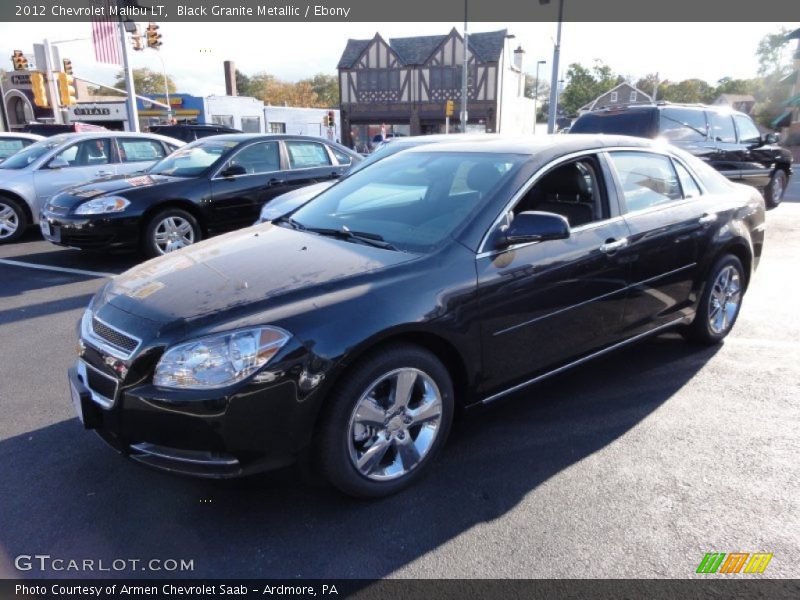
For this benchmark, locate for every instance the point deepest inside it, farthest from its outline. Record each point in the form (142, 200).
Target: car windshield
(24, 157)
(191, 160)
(411, 201)
(637, 123)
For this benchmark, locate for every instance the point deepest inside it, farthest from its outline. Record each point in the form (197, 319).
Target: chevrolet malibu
(444, 277)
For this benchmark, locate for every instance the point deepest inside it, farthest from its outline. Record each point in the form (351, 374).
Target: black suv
(727, 140)
(190, 133)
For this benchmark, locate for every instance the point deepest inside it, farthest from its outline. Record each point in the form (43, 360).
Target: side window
(748, 132)
(277, 127)
(572, 190)
(341, 157)
(251, 124)
(647, 179)
(683, 125)
(259, 158)
(132, 150)
(688, 184)
(303, 155)
(87, 153)
(722, 128)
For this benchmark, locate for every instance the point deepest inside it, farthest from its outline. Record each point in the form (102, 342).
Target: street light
(536, 93)
(551, 113)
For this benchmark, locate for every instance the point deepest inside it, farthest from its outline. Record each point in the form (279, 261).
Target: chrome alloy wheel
(9, 221)
(724, 301)
(172, 234)
(394, 424)
(778, 184)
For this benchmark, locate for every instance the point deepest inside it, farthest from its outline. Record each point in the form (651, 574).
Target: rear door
(309, 162)
(726, 154)
(758, 160)
(137, 154)
(669, 227)
(236, 201)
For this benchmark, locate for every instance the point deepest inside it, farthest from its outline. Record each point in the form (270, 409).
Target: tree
(243, 84)
(690, 91)
(773, 54)
(326, 88)
(147, 82)
(584, 84)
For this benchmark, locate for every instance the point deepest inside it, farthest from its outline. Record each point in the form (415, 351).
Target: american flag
(105, 36)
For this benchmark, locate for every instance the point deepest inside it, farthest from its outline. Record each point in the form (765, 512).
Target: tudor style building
(402, 85)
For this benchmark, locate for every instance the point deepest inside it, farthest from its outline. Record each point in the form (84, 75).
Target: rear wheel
(720, 303)
(776, 188)
(170, 230)
(385, 421)
(13, 220)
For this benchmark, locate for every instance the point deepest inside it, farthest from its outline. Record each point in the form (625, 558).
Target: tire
(776, 188)
(13, 220)
(712, 323)
(169, 230)
(358, 418)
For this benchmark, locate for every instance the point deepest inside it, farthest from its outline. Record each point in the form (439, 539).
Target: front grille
(114, 337)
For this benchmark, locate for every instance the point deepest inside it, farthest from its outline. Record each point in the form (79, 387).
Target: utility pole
(536, 93)
(133, 113)
(655, 88)
(464, 72)
(553, 110)
(50, 78)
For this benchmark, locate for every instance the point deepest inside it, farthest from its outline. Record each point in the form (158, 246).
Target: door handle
(103, 173)
(275, 181)
(336, 174)
(707, 218)
(611, 246)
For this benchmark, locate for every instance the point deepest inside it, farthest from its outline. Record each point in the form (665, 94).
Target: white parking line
(19, 263)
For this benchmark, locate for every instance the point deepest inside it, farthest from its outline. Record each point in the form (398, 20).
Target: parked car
(50, 129)
(190, 133)
(29, 178)
(291, 200)
(11, 143)
(445, 276)
(378, 140)
(726, 139)
(212, 185)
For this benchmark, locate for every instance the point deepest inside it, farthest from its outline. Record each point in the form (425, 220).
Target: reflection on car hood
(112, 185)
(251, 269)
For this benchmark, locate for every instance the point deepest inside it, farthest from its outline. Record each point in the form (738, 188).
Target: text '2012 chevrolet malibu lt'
(446, 276)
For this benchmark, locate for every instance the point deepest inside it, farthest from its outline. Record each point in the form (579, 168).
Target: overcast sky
(193, 53)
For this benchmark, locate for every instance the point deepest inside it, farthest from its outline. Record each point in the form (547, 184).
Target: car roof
(21, 135)
(244, 137)
(720, 108)
(545, 145)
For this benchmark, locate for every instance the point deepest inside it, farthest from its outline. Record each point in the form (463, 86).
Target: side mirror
(234, 171)
(57, 163)
(771, 138)
(533, 226)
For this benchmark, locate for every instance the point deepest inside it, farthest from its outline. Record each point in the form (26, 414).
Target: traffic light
(448, 108)
(19, 60)
(67, 66)
(330, 121)
(153, 37)
(138, 42)
(66, 89)
(39, 90)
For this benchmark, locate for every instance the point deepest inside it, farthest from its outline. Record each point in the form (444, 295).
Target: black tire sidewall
(771, 201)
(332, 445)
(148, 239)
(701, 330)
(22, 220)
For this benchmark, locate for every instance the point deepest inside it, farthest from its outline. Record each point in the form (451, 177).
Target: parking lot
(633, 466)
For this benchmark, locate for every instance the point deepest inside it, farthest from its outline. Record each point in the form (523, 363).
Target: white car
(11, 143)
(31, 176)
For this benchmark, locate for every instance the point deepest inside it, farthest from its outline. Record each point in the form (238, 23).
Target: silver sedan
(34, 174)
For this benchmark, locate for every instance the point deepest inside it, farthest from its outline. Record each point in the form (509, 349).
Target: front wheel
(720, 302)
(170, 230)
(385, 421)
(13, 220)
(776, 188)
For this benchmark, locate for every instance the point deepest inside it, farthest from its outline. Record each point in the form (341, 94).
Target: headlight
(218, 360)
(106, 204)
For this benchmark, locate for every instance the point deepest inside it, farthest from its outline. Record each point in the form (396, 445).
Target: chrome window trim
(333, 162)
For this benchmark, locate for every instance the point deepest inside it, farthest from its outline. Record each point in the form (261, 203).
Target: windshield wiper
(289, 221)
(370, 239)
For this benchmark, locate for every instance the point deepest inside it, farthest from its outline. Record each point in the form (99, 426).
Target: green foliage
(320, 91)
(147, 82)
(584, 84)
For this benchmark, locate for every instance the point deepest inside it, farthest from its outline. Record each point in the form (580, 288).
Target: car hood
(285, 203)
(242, 273)
(111, 185)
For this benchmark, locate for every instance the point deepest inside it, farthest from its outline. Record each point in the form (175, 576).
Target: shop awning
(794, 101)
(783, 121)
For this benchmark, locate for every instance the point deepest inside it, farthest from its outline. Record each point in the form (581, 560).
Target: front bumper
(109, 231)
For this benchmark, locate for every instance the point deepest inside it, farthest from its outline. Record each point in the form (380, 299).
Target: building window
(277, 127)
(251, 124)
(633, 96)
(224, 120)
(614, 96)
(378, 79)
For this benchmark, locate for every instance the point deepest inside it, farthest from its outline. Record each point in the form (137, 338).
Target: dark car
(190, 133)
(443, 277)
(726, 139)
(212, 185)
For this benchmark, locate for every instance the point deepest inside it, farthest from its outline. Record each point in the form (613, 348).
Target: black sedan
(210, 186)
(444, 277)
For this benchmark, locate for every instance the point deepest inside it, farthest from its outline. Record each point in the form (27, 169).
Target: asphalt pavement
(633, 466)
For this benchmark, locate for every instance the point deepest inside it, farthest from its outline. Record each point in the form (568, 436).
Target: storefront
(111, 115)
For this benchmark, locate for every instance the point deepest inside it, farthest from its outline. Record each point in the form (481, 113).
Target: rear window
(638, 123)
